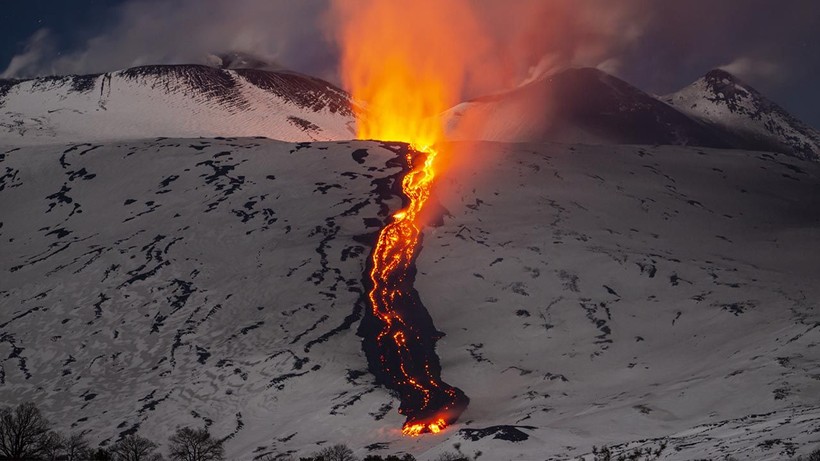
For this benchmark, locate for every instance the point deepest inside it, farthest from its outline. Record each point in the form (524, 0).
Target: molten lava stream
(404, 343)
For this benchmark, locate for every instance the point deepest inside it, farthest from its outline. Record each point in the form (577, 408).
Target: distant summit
(726, 101)
(579, 105)
(585, 105)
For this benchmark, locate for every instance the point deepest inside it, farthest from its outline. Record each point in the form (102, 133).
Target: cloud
(659, 46)
(525, 35)
(532, 37)
(545, 66)
(38, 51)
(755, 69)
(188, 31)
(610, 66)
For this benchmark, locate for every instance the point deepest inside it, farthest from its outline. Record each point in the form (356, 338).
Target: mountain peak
(587, 71)
(590, 74)
(722, 99)
(721, 75)
(578, 104)
(723, 86)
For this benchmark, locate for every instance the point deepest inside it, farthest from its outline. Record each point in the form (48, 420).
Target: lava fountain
(401, 62)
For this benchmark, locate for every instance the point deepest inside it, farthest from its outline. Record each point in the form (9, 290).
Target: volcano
(656, 295)
(725, 101)
(579, 105)
(589, 106)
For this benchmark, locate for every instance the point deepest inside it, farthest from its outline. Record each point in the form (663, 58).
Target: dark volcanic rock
(508, 433)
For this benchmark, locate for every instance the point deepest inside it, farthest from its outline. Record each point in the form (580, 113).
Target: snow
(619, 295)
(717, 236)
(169, 101)
(588, 106)
(724, 100)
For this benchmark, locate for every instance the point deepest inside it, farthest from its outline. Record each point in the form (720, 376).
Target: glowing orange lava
(394, 252)
(400, 63)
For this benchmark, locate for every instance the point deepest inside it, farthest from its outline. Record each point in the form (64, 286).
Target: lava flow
(402, 66)
(403, 347)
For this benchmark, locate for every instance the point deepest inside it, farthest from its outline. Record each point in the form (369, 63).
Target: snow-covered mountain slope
(190, 281)
(726, 101)
(589, 295)
(578, 105)
(591, 107)
(182, 101)
(618, 293)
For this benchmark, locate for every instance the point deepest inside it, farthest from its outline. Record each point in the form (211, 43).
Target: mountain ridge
(588, 105)
(583, 105)
(238, 98)
(173, 100)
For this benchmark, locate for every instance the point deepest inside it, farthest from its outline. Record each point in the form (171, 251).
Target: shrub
(450, 456)
(52, 446)
(813, 456)
(100, 454)
(404, 457)
(75, 448)
(339, 452)
(134, 448)
(23, 431)
(195, 445)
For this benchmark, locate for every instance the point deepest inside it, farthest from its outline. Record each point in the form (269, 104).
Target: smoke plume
(659, 46)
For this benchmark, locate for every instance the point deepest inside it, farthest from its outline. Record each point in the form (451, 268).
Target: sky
(656, 45)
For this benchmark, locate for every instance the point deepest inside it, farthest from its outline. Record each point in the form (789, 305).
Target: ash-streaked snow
(724, 100)
(173, 101)
(623, 292)
(620, 295)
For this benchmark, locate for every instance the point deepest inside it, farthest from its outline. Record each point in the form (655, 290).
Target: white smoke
(39, 50)
(189, 31)
(754, 69)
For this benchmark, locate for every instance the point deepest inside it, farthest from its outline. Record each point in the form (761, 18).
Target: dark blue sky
(72, 21)
(773, 45)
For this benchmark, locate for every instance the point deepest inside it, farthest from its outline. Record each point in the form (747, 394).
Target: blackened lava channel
(385, 359)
